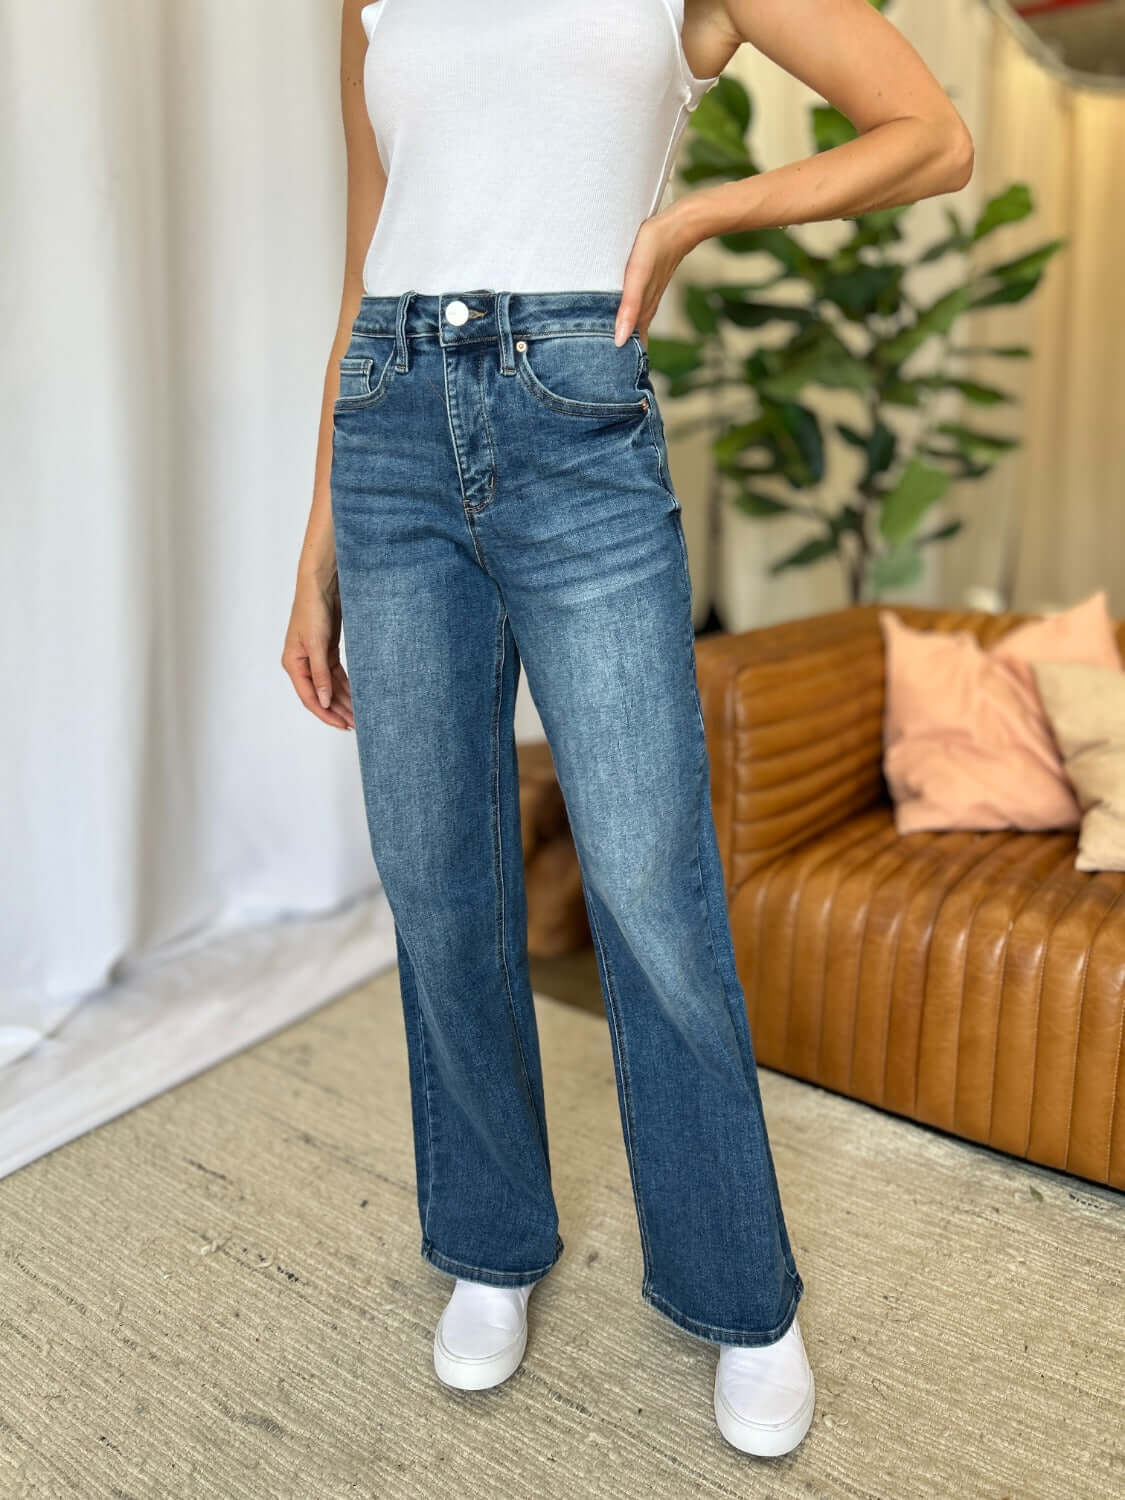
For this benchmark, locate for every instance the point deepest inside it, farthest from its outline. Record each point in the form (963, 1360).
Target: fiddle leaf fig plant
(850, 321)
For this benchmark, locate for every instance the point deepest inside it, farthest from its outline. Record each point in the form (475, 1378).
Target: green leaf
(720, 126)
(735, 440)
(761, 314)
(977, 444)
(899, 568)
(700, 310)
(1013, 204)
(951, 528)
(941, 248)
(972, 390)
(1028, 264)
(878, 446)
(902, 393)
(799, 444)
(674, 357)
(707, 163)
(732, 98)
(1008, 291)
(1003, 351)
(865, 290)
(779, 243)
(716, 145)
(738, 291)
(957, 238)
(805, 555)
(981, 395)
(937, 318)
(878, 227)
(918, 487)
(964, 467)
(831, 128)
(754, 504)
(848, 518)
(830, 365)
(881, 446)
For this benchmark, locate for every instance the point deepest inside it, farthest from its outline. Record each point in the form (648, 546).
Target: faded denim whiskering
(501, 500)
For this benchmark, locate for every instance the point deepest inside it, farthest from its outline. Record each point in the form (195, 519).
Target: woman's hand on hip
(657, 251)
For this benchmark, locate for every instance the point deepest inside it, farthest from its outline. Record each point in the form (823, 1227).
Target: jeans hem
(483, 1273)
(747, 1337)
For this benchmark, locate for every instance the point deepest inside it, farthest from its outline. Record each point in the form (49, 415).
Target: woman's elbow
(956, 154)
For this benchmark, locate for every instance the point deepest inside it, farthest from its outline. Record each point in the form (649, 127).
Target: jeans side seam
(614, 1017)
(661, 468)
(498, 855)
(422, 1051)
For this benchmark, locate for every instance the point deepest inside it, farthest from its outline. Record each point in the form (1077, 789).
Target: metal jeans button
(456, 312)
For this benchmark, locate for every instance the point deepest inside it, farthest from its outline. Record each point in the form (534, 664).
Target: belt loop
(507, 353)
(402, 347)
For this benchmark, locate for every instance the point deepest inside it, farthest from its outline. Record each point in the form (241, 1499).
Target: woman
(492, 490)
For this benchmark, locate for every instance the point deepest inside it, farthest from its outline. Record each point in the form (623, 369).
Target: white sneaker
(481, 1336)
(765, 1394)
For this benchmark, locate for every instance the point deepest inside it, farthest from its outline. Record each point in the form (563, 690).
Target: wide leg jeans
(501, 502)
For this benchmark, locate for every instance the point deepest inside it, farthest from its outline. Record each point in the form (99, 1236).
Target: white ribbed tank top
(524, 141)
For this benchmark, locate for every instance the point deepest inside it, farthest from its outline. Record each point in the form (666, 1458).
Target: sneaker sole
(765, 1440)
(477, 1374)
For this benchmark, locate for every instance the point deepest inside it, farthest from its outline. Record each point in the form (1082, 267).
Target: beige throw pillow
(966, 741)
(1085, 707)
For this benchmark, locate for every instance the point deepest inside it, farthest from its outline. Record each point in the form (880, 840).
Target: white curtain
(172, 198)
(1044, 527)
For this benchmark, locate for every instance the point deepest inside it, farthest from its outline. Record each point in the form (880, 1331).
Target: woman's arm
(912, 143)
(311, 653)
(367, 183)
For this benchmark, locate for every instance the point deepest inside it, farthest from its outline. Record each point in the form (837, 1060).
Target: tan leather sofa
(972, 981)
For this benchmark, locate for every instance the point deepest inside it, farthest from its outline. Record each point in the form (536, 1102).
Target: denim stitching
(718, 1334)
(506, 1278)
(375, 394)
(452, 426)
(567, 406)
(477, 506)
(541, 330)
(661, 468)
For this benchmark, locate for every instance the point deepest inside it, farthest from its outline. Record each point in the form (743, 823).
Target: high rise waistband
(484, 316)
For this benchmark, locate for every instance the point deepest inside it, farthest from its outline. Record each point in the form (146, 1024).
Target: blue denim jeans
(501, 499)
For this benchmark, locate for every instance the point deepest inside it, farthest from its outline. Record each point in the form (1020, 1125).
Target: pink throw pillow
(967, 743)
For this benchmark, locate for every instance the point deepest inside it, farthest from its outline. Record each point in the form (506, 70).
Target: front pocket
(583, 374)
(365, 378)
